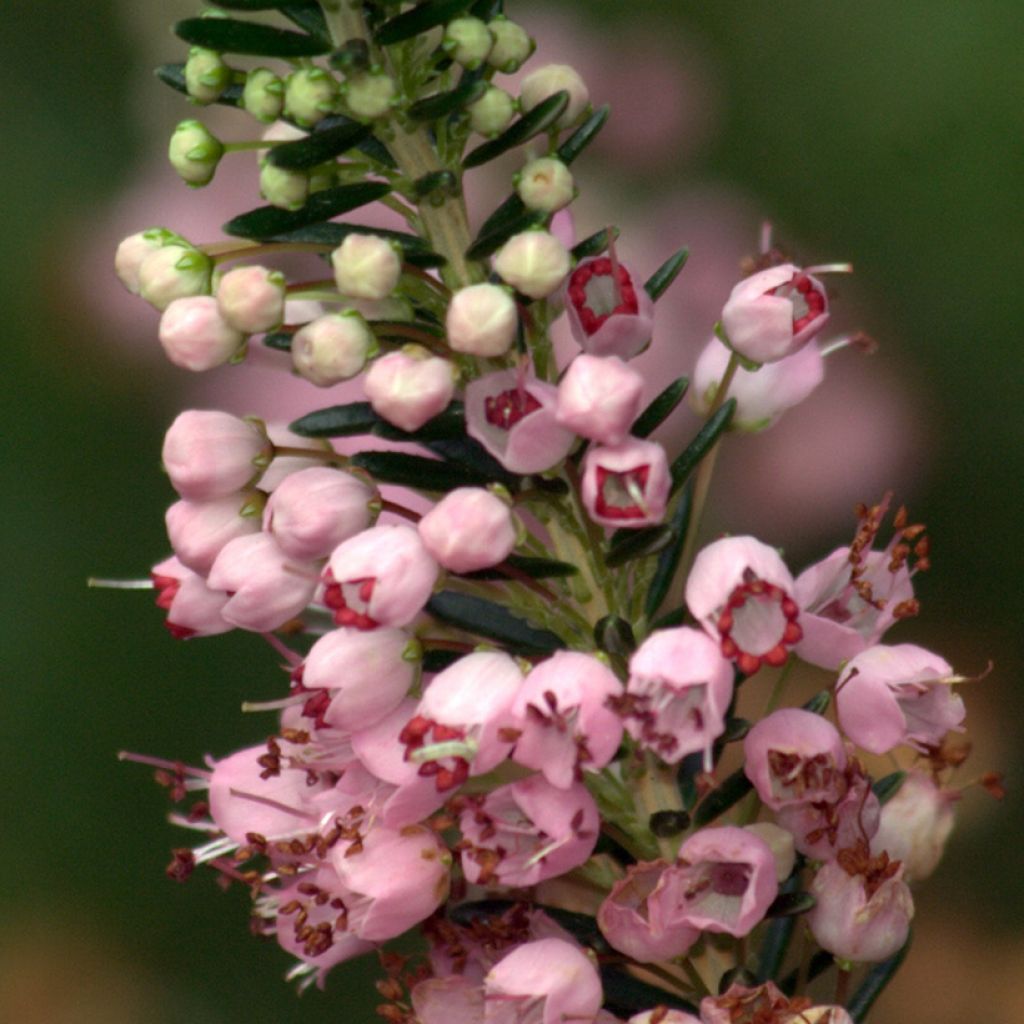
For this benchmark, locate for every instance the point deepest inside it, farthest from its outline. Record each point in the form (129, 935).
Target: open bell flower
(626, 485)
(610, 314)
(193, 608)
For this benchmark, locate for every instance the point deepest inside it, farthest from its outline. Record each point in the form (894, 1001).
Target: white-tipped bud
(512, 46)
(467, 41)
(133, 250)
(409, 387)
(533, 262)
(546, 81)
(369, 95)
(194, 152)
(545, 184)
(263, 95)
(251, 299)
(206, 75)
(286, 189)
(482, 320)
(492, 113)
(174, 271)
(195, 336)
(366, 266)
(332, 348)
(310, 95)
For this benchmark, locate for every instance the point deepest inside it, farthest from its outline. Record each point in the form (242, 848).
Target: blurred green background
(888, 134)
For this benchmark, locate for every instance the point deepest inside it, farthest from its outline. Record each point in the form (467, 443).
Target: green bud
(206, 75)
(194, 153)
(280, 187)
(263, 95)
(512, 46)
(310, 95)
(492, 113)
(369, 96)
(467, 41)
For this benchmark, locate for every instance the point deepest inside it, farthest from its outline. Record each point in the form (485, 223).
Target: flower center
(793, 776)
(446, 759)
(621, 495)
(350, 601)
(808, 298)
(758, 624)
(506, 409)
(596, 294)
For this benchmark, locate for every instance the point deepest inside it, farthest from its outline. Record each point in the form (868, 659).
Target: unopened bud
(251, 299)
(492, 113)
(512, 46)
(133, 250)
(369, 96)
(174, 271)
(310, 95)
(533, 262)
(194, 152)
(546, 81)
(366, 266)
(332, 348)
(286, 189)
(467, 41)
(206, 75)
(263, 95)
(196, 336)
(545, 184)
(482, 320)
(409, 387)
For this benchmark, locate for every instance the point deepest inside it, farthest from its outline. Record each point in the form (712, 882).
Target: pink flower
(727, 882)
(891, 695)
(251, 299)
(773, 313)
(741, 1005)
(794, 757)
(380, 577)
(609, 314)
(627, 485)
(564, 719)
(209, 454)
(526, 832)
(678, 692)
(468, 529)
(409, 387)
(195, 336)
(513, 417)
(741, 593)
(599, 398)
(915, 825)
(198, 530)
(193, 608)
(639, 917)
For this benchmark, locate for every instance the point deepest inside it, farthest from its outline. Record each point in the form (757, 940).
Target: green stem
(780, 683)
(698, 983)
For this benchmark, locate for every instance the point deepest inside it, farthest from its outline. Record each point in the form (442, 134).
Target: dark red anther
(506, 409)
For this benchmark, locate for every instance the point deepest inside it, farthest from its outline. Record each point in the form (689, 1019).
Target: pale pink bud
(382, 576)
(513, 417)
(332, 348)
(728, 880)
(902, 694)
(762, 395)
(195, 336)
(915, 825)
(609, 313)
(409, 387)
(538, 85)
(368, 674)
(678, 692)
(252, 298)
(794, 756)
(481, 320)
(133, 250)
(210, 454)
(469, 529)
(366, 266)
(563, 714)
(545, 184)
(599, 398)
(312, 511)
(774, 312)
(638, 917)
(173, 271)
(863, 917)
(198, 530)
(739, 589)
(626, 485)
(193, 608)
(533, 262)
(267, 587)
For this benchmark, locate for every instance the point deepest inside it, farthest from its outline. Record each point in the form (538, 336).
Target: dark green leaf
(538, 568)
(421, 18)
(442, 183)
(819, 703)
(438, 659)
(888, 786)
(418, 472)
(583, 136)
(735, 729)
(270, 222)
(676, 617)
(625, 995)
(490, 241)
(666, 824)
(485, 10)
(594, 244)
(719, 800)
(666, 273)
(648, 540)
(777, 936)
(229, 35)
(668, 560)
(174, 76)
(874, 983)
(690, 769)
(614, 634)
(358, 418)
(532, 123)
(705, 440)
(309, 17)
(790, 904)
(414, 249)
(325, 143)
(258, 5)
(469, 90)
(660, 408)
(467, 452)
(493, 622)
(279, 340)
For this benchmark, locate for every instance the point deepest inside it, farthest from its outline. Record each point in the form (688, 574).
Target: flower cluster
(513, 675)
